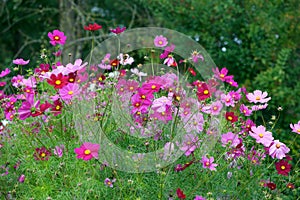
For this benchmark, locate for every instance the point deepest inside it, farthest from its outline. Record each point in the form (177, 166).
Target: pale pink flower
(230, 138)
(258, 97)
(20, 61)
(261, 135)
(227, 100)
(295, 127)
(259, 107)
(170, 61)
(278, 150)
(160, 41)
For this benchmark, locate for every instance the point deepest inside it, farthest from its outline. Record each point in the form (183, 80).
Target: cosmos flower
(92, 27)
(295, 127)
(160, 41)
(258, 97)
(57, 37)
(20, 61)
(87, 151)
(208, 163)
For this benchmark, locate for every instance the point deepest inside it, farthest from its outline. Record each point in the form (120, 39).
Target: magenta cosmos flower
(4, 72)
(118, 30)
(20, 61)
(57, 37)
(208, 163)
(261, 135)
(199, 198)
(295, 127)
(160, 41)
(258, 97)
(231, 139)
(87, 151)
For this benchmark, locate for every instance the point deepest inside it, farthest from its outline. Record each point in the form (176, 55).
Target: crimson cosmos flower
(92, 27)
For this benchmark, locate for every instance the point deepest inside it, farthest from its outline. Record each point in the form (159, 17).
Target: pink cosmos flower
(258, 97)
(57, 37)
(161, 104)
(227, 100)
(259, 107)
(160, 41)
(189, 144)
(167, 50)
(229, 79)
(109, 182)
(194, 123)
(105, 63)
(87, 151)
(236, 95)
(208, 163)
(199, 198)
(4, 72)
(28, 107)
(221, 75)
(230, 138)
(58, 150)
(21, 179)
(295, 127)
(20, 61)
(196, 56)
(245, 110)
(278, 150)
(261, 135)
(69, 91)
(170, 61)
(118, 30)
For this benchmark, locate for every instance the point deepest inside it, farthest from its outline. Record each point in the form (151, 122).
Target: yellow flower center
(229, 118)
(131, 88)
(261, 135)
(207, 163)
(57, 82)
(257, 98)
(205, 92)
(87, 152)
(138, 113)
(153, 87)
(282, 167)
(70, 92)
(163, 113)
(143, 97)
(277, 146)
(56, 37)
(100, 79)
(160, 42)
(57, 107)
(121, 89)
(137, 105)
(222, 75)
(43, 155)
(27, 91)
(178, 98)
(71, 79)
(215, 108)
(298, 130)
(253, 161)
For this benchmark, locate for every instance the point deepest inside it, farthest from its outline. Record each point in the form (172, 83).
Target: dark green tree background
(258, 41)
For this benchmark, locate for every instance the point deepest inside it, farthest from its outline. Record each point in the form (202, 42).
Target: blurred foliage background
(258, 41)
